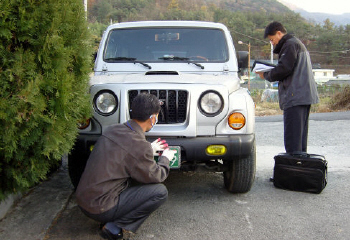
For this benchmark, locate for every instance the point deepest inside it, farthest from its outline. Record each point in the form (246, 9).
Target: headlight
(210, 103)
(105, 103)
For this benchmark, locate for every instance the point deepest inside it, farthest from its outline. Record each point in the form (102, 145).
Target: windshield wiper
(129, 59)
(144, 64)
(119, 59)
(171, 58)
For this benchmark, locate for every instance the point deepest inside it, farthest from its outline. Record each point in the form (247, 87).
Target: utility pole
(271, 52)
(85, 7)
(271, 59)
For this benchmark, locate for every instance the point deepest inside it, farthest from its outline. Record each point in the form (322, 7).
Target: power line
(311, 52)
(340, 57)
(248, 36)
(339, 51)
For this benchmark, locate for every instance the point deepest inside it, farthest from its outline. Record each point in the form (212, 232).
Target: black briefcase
(300, 172)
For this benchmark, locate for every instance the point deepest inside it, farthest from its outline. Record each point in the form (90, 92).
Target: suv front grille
(174, 107)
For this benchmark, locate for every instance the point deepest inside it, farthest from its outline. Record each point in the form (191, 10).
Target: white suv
(192, 68)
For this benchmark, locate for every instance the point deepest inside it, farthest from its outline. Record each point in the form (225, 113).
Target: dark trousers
(296, 125)
(134, 206)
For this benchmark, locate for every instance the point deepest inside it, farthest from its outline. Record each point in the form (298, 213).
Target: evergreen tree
(44, 65)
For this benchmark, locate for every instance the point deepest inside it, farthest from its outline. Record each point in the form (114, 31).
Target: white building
(323, 75)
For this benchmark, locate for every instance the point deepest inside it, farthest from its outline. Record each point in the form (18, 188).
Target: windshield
(166, 44)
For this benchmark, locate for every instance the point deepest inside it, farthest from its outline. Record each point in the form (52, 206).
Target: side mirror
(242, 59)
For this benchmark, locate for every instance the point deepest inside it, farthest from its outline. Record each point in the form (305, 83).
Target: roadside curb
(7, 204)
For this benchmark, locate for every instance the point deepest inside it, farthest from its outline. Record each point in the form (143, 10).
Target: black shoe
(106, 234)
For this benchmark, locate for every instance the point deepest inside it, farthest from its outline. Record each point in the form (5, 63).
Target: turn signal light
(83, 124)
(216, 150)
(236, 120)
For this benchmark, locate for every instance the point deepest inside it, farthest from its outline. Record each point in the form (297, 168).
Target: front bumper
(192, 149)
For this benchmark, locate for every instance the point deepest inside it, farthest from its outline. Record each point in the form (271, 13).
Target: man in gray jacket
(122, 153)
(297, 88)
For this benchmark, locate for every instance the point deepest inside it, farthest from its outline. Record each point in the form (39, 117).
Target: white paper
(259, 67)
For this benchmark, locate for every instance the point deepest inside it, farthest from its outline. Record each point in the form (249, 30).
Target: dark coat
(121, 153)
(296, 85)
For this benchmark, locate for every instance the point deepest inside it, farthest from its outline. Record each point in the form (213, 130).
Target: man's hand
(169, 153)
(158, 145)
(261, 74)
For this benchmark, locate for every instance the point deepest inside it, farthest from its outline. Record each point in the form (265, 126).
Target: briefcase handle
(300, 154)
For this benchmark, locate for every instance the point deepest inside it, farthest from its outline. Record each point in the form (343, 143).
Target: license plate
(176, 161)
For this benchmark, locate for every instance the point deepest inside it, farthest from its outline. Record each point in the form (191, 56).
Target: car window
(166, 44)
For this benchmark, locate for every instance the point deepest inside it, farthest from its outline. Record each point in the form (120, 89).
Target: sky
(323, 6)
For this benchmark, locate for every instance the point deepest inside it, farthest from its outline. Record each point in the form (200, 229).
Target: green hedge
(44, 65)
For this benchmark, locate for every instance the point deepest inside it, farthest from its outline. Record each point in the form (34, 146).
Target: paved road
(200, 208)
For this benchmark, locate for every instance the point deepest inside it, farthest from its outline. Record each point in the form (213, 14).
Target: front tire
(76, 163)
(240, 173)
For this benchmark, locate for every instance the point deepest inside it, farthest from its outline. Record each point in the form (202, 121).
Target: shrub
(341, 100)
(44, 66)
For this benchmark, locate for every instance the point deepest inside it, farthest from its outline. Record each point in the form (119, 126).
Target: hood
(231, 82)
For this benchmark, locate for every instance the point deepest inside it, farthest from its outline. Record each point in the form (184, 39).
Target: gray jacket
(121, 153)
(296, 85)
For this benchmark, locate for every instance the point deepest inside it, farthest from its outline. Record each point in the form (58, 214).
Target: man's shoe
(106, 234)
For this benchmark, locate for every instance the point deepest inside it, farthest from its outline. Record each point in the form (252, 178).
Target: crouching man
(122, 154)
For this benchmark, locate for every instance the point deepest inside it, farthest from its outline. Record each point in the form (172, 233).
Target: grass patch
(263, 108)
(332, 98)
(267, 108)
(341, 100)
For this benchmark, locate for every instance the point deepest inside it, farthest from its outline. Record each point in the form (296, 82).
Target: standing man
(296, 88)
(122, 153)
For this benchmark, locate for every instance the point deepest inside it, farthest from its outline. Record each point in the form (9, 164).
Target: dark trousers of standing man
(134, 206)
(296, 125)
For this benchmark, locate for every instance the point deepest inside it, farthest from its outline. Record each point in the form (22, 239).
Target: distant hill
(338, 20)
(319, 18)
(251, 5)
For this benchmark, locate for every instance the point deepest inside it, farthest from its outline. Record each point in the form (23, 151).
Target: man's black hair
(272, 29)
(143, 106)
